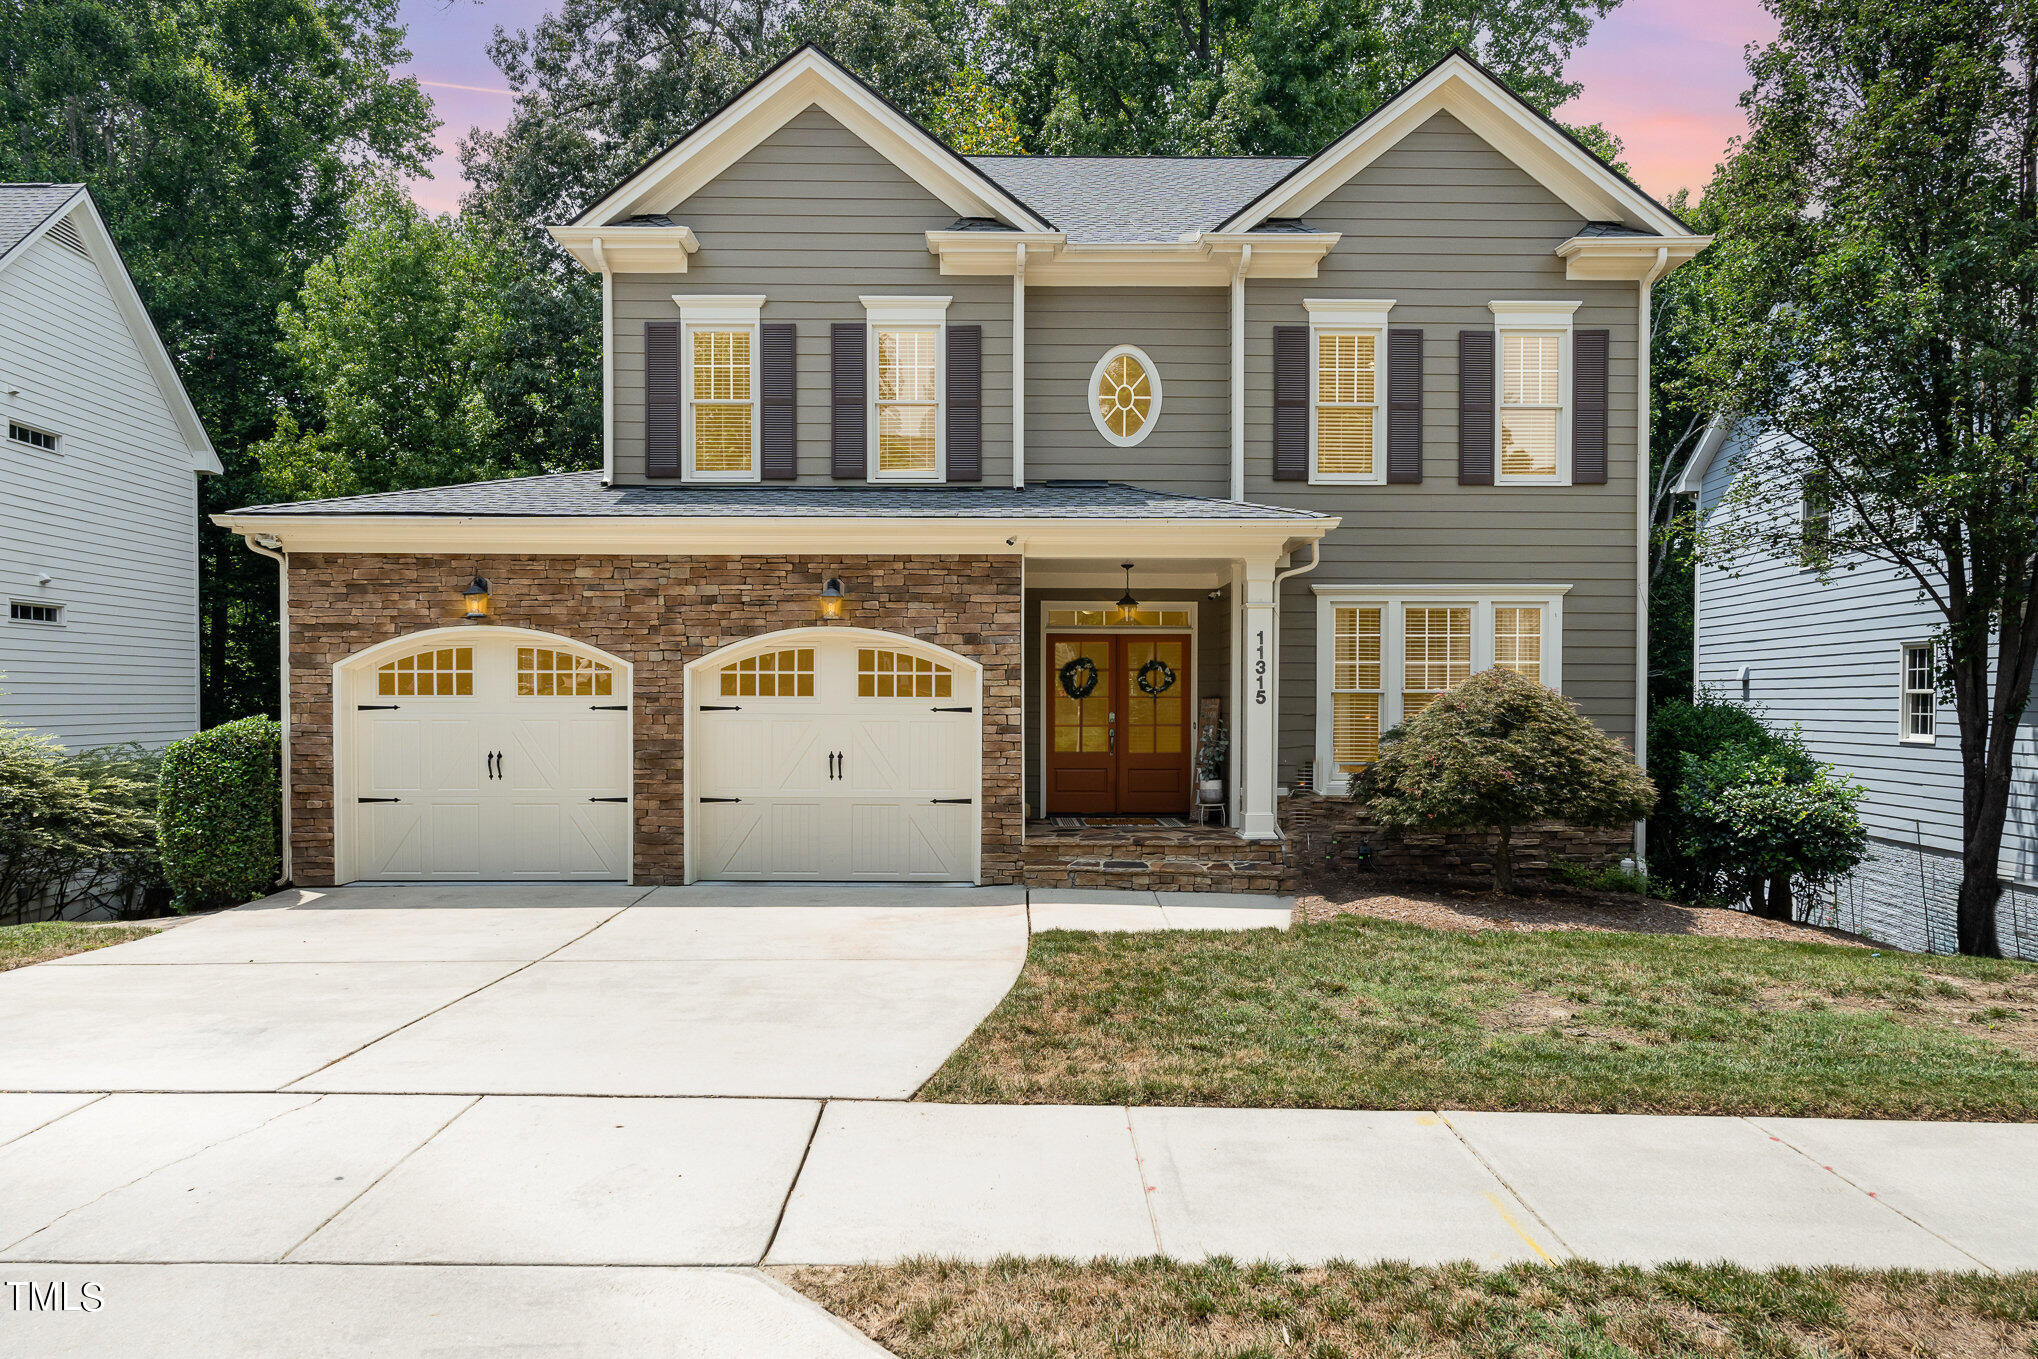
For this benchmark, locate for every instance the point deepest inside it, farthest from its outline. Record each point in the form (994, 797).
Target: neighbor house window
(718, 379)
(907, 381)
(1815, 523)
(33, 437)
(1920, 693)
(1534, 339)
(1348, 384)
(1383, 655)
(27, 611)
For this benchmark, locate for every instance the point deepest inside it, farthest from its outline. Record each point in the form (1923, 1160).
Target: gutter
(608, 364)
(1644, 338)
(269, 546)
(1281, 578)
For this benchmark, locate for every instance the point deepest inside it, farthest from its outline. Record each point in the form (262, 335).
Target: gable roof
(1460, 86)
(808, 78)
(1123, 199)
(27, 213)
(1710, 443)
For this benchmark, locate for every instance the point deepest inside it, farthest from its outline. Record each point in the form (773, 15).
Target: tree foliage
(1497, 752)
(1874, 303)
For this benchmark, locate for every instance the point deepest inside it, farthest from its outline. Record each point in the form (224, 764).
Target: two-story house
(99, 468)
(941, 489)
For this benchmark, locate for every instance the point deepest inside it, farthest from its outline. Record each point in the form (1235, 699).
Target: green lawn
(1363, 1013)
(1153, 1309)
(21, 945)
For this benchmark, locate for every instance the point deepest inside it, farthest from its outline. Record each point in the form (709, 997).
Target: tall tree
(220, 139)
(1876, 301)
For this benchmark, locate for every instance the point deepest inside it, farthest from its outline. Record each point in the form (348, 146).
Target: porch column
(1254, 725)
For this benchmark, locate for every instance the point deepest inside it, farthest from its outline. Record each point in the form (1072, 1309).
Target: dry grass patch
(1158, 1309)
(21, 945)
(1358, 1013)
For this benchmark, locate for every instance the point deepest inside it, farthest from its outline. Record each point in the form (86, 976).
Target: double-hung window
(1347, 389)
(1919, 716)
(1534, 392)
(718, 378)
(908, 381)
(1384, 653)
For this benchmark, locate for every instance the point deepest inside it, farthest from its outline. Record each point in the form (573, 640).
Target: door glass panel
(774, 674)
(1155, 680)
(1081, 724)
(446, 672)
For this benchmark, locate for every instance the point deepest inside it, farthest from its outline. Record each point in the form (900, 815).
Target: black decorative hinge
(376, 707)
(378, 799)
(951, 801)
(955, 710)
(721, 799)
(721, 708)
(608, 799)
(609, 707)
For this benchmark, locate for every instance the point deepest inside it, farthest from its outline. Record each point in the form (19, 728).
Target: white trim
(1534, 317)
(1237, 342)
(1342, 313)
(625, 249)
(768, 641)
(1717, 430)
(50, 604)
(1626, 257)
(807, 79)
(898, 314)
(1019, 367)
(719, 313)
(1457, 86)
(1153, 414)
(1202, 259)
(56, 448)
(1393, 600)
(600, 257)
(1904, 692)
(365, 660)
(1371, 320)
(905, 311)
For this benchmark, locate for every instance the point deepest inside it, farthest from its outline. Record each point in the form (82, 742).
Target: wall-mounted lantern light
(1128, 607)
(476, 595)
(829, 605)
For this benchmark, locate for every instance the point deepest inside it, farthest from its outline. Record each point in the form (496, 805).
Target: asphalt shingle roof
(24, 206)
(1112, 200)
(581, 495)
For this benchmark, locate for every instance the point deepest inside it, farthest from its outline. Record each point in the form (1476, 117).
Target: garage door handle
(609, 707)
(721, 799)
(608, 799)
(721, 707)
(376, 707)
(955, 710)
(951, 801)
(378, 799)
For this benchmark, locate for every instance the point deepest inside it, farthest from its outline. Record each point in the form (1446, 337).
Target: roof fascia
(1042, 537)
(1709, 445)
(1206, 259)
(628, 249)
(148, 342)
(809, 78)
(1459, 86)
(1625, 257)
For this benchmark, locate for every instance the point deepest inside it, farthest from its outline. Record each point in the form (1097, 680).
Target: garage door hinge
(378, 799)
(721, 708)
(951, 801)
(608, 799)
(609, 707)
(955, 710)
(721, 799)
(376, 707)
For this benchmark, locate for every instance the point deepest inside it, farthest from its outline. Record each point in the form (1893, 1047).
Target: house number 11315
(1260, 666)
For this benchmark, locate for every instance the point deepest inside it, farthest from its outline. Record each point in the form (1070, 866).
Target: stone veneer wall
(1157, 862)
(1328, 834)
(657, 613)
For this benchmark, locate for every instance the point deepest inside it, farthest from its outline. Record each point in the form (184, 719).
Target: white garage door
(486, 759)
(847, 758)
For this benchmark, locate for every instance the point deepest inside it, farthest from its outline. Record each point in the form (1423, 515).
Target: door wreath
(1079, 677)
(1156, 677)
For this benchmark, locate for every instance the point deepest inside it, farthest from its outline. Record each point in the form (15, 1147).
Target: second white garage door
(835, 756)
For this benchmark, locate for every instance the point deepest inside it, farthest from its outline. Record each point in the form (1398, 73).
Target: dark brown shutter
(1291, 403)
(1404, 406)
(1475, 408)
(965, 403)
(661, 398)
(778, 357)
(1588, 407)
(849, 440)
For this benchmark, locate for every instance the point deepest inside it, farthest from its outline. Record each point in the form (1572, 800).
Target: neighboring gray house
(99, 465)
(1849, 659)
(886, 426)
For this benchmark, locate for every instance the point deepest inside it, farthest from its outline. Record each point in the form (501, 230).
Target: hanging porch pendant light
(1128, 607)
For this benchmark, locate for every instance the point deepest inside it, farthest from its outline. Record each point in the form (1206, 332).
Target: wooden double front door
(1119, 739)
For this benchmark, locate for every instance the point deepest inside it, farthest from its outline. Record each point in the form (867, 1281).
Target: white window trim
(57, 440)
(719, 312)
(907, 313)
(1904, 692)
(1393, 600)
(57, 622)
(1534, 316)
(1153, 380)
(1351, 316)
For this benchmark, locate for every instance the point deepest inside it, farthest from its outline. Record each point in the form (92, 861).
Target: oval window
(1125, 395)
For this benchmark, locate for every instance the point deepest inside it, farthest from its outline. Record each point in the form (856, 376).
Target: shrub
(1601, 878)
(1755, 822)
(220, 814)
(75, 830)
(1682, 736)
(1497, 752)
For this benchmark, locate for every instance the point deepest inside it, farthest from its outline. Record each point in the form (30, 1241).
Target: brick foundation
(658, 613)
(1194, 860)
(1328, 835)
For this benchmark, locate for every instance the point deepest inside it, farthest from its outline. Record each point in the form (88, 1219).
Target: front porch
(1149, 857)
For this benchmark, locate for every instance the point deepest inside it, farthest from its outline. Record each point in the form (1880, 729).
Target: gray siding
(813, 218)
(1444, 224)
(1185, 331)
(1823, 657)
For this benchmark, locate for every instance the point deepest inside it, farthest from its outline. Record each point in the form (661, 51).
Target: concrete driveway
(814, 992)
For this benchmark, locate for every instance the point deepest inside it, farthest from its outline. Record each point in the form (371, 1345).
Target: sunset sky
(1665, 75)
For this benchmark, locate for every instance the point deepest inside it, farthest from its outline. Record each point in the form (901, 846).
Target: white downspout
(271, 547)
(608, 365)
(1245, 259)
(1315, 560)
(1644, 339)
(1019, 368)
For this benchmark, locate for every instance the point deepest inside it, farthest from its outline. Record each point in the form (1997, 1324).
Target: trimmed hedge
(220, 814)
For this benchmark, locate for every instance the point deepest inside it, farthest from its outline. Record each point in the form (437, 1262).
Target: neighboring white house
(99, 463)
